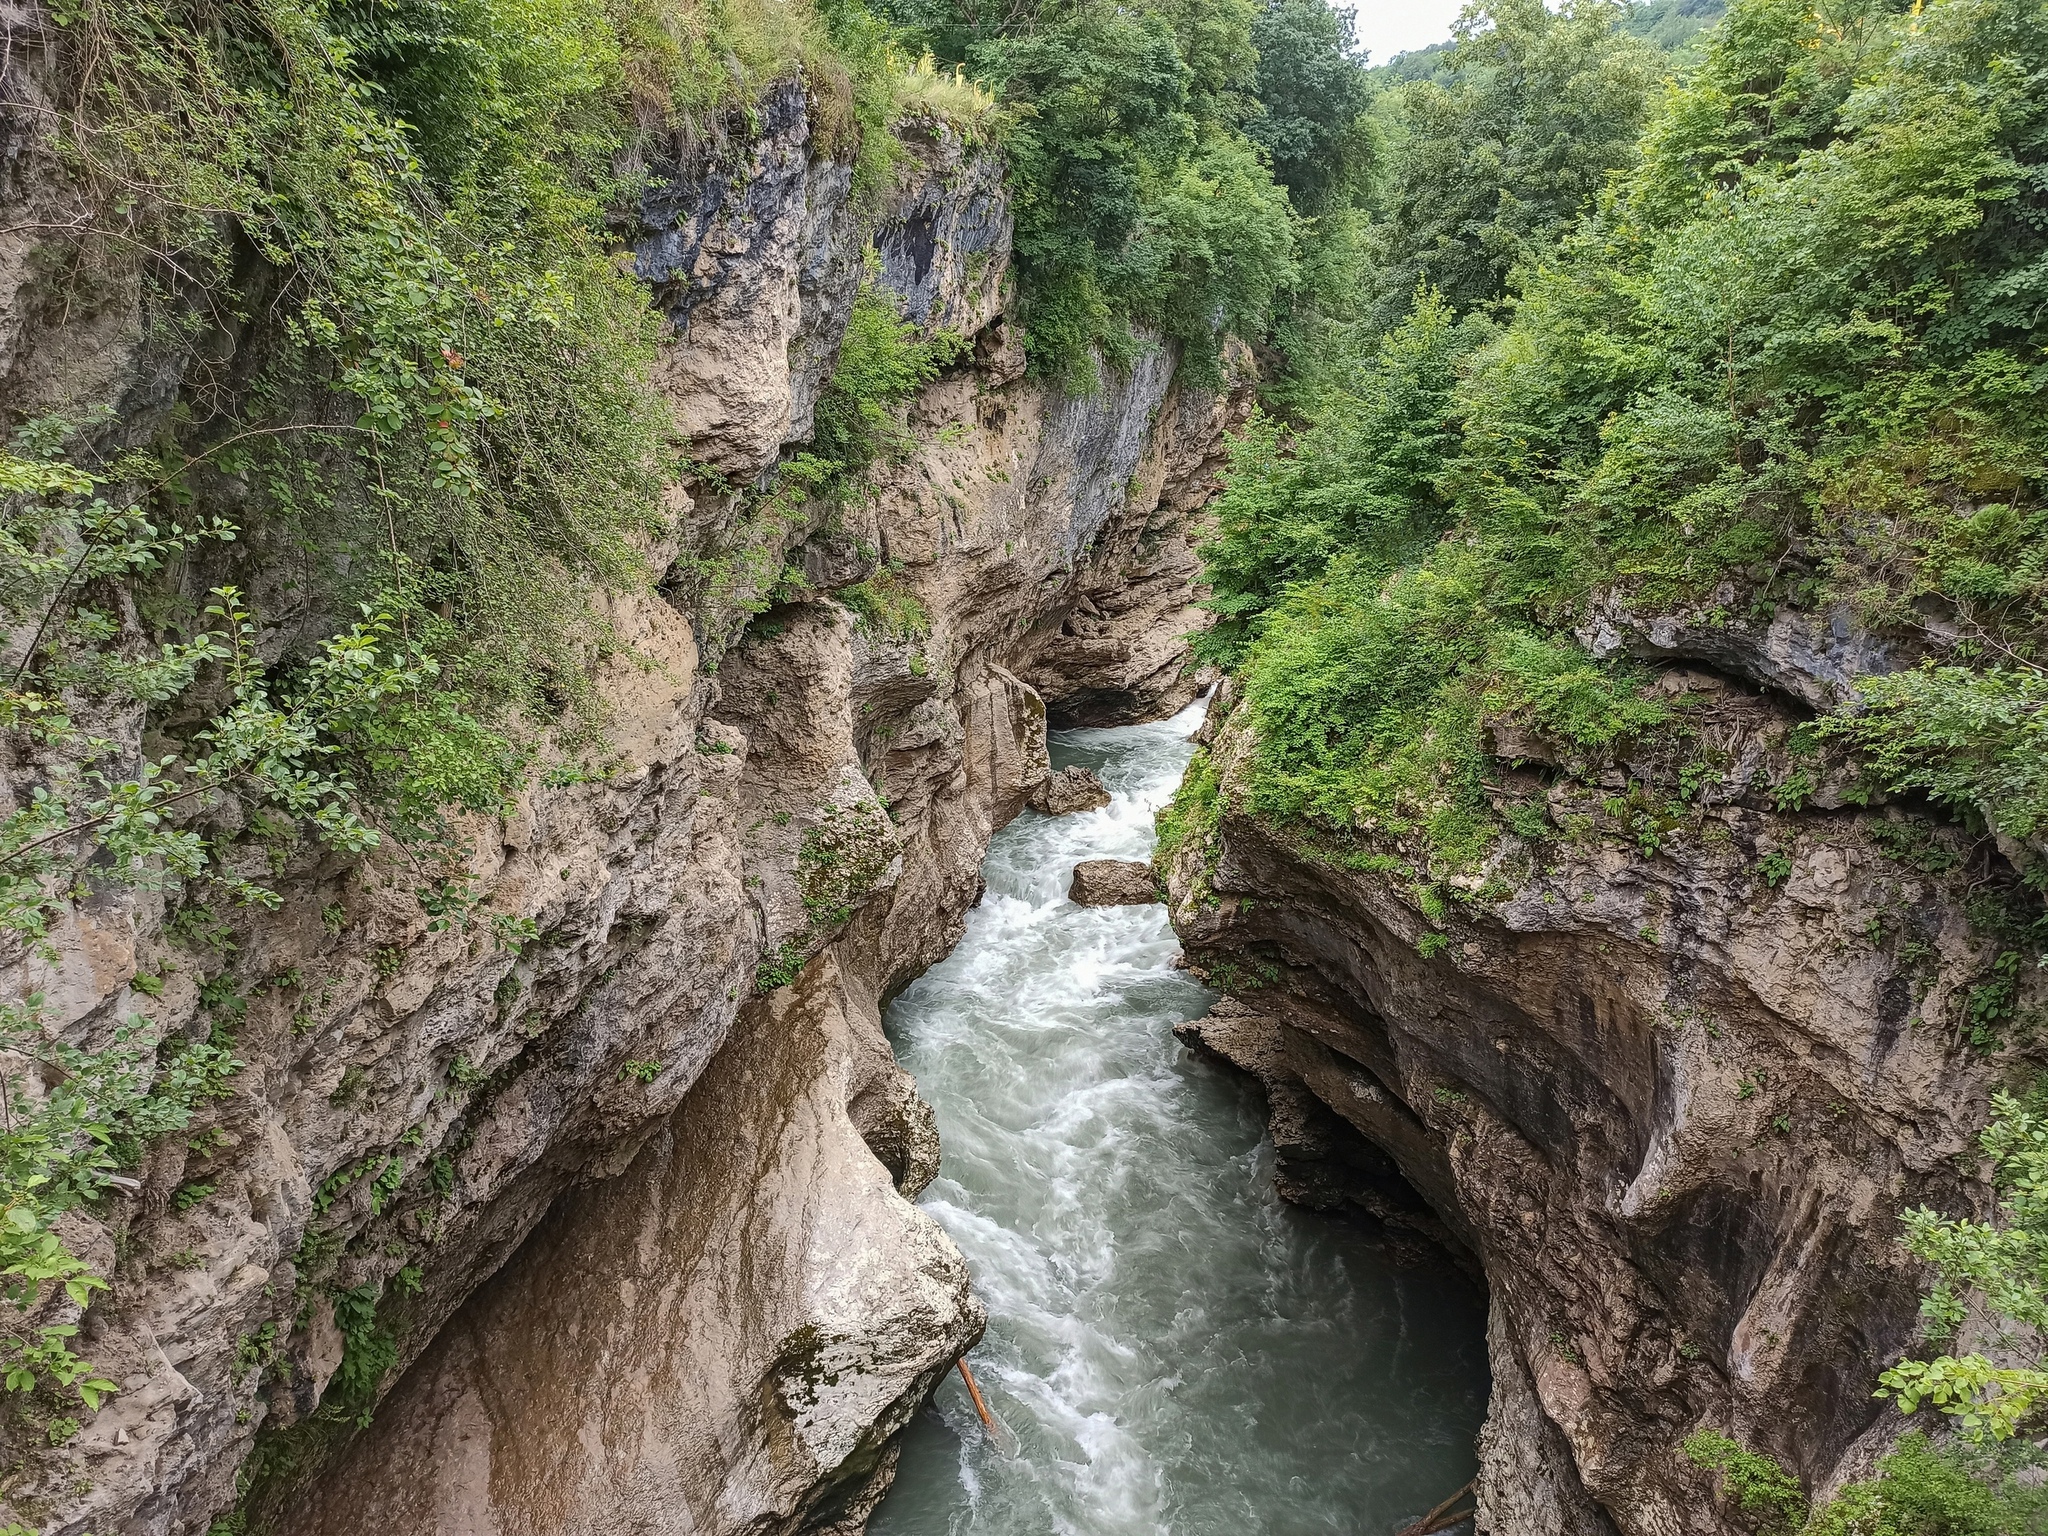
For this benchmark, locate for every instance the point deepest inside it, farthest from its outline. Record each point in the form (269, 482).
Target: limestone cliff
(620, 1161)
(1667, 1067)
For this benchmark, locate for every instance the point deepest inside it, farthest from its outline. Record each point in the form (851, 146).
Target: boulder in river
(1070, 790)
(1112, 883)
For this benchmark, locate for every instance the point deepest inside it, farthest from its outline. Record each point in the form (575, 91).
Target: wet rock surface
(1068, 791)
(1112, 883)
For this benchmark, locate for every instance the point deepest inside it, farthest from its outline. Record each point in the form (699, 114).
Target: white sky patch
(1388, 27)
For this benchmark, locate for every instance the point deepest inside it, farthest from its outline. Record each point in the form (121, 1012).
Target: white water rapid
(1175, 1349)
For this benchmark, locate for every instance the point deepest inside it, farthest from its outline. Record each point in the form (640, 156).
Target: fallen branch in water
(1436, 1520)
(998, 1434)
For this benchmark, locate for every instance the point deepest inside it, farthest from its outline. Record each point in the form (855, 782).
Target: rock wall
(670, 1110)
(1668, 1070)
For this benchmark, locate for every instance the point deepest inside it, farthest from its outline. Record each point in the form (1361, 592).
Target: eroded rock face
(753, 1295)
(748, 244)
(1671, 1095)
(1112, 883)
(1320, 1160)
(672, 969)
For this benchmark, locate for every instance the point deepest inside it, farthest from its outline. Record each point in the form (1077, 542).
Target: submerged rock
(1068, 791)
(1112, 883)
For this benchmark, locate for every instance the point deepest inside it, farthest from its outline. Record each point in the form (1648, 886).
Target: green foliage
(1793, 321)
(1139, 197)
(881, 365)
(1106, 94)
(1976, 742)
(1671, 24)
(1758, 1485)
(2000, 1266)
(1358, 478)
(1311, 91)
(368, 1354)
(779, 967)
(1925, 1490)
(1368, 694)
(884, 605)
(1193, 812)
(842, 859)
(1530, 112)
(61, 1148)
(1787, 343)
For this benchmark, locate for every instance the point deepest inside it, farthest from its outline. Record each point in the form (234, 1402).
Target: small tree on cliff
(1995, 1272)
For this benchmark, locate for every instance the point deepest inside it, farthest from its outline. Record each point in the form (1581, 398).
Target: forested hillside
(1642, 357)
(1791, 358)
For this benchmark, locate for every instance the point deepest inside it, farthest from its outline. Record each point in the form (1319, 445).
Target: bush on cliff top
(1795, 351)
(1920, 1489)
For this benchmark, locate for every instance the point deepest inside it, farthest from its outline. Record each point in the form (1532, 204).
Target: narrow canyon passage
(1174, 1348)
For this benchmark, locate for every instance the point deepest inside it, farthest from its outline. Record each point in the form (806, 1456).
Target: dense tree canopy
(1787, 341)
(1161, 154)
(1311, 95)
(1507, 148)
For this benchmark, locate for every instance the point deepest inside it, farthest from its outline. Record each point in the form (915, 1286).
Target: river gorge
(1173, 1346)
(561, 566)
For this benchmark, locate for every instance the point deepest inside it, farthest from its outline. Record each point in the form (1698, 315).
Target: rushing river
(1174, 1348)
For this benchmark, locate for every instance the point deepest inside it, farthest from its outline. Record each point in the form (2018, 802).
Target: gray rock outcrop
(1068, 791)
(1112, 883)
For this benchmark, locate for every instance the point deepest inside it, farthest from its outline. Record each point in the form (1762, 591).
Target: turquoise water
(1174, 1349)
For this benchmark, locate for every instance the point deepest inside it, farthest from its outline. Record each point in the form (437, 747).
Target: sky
(1388, 27)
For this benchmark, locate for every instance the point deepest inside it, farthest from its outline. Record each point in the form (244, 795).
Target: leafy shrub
(1758, 1485)
(368, 1354)
(1139, 197)
(881, 365)
(779, 967)
(1999, 1265)
(1977, 742)
(884, 605)
(1924, 1490)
